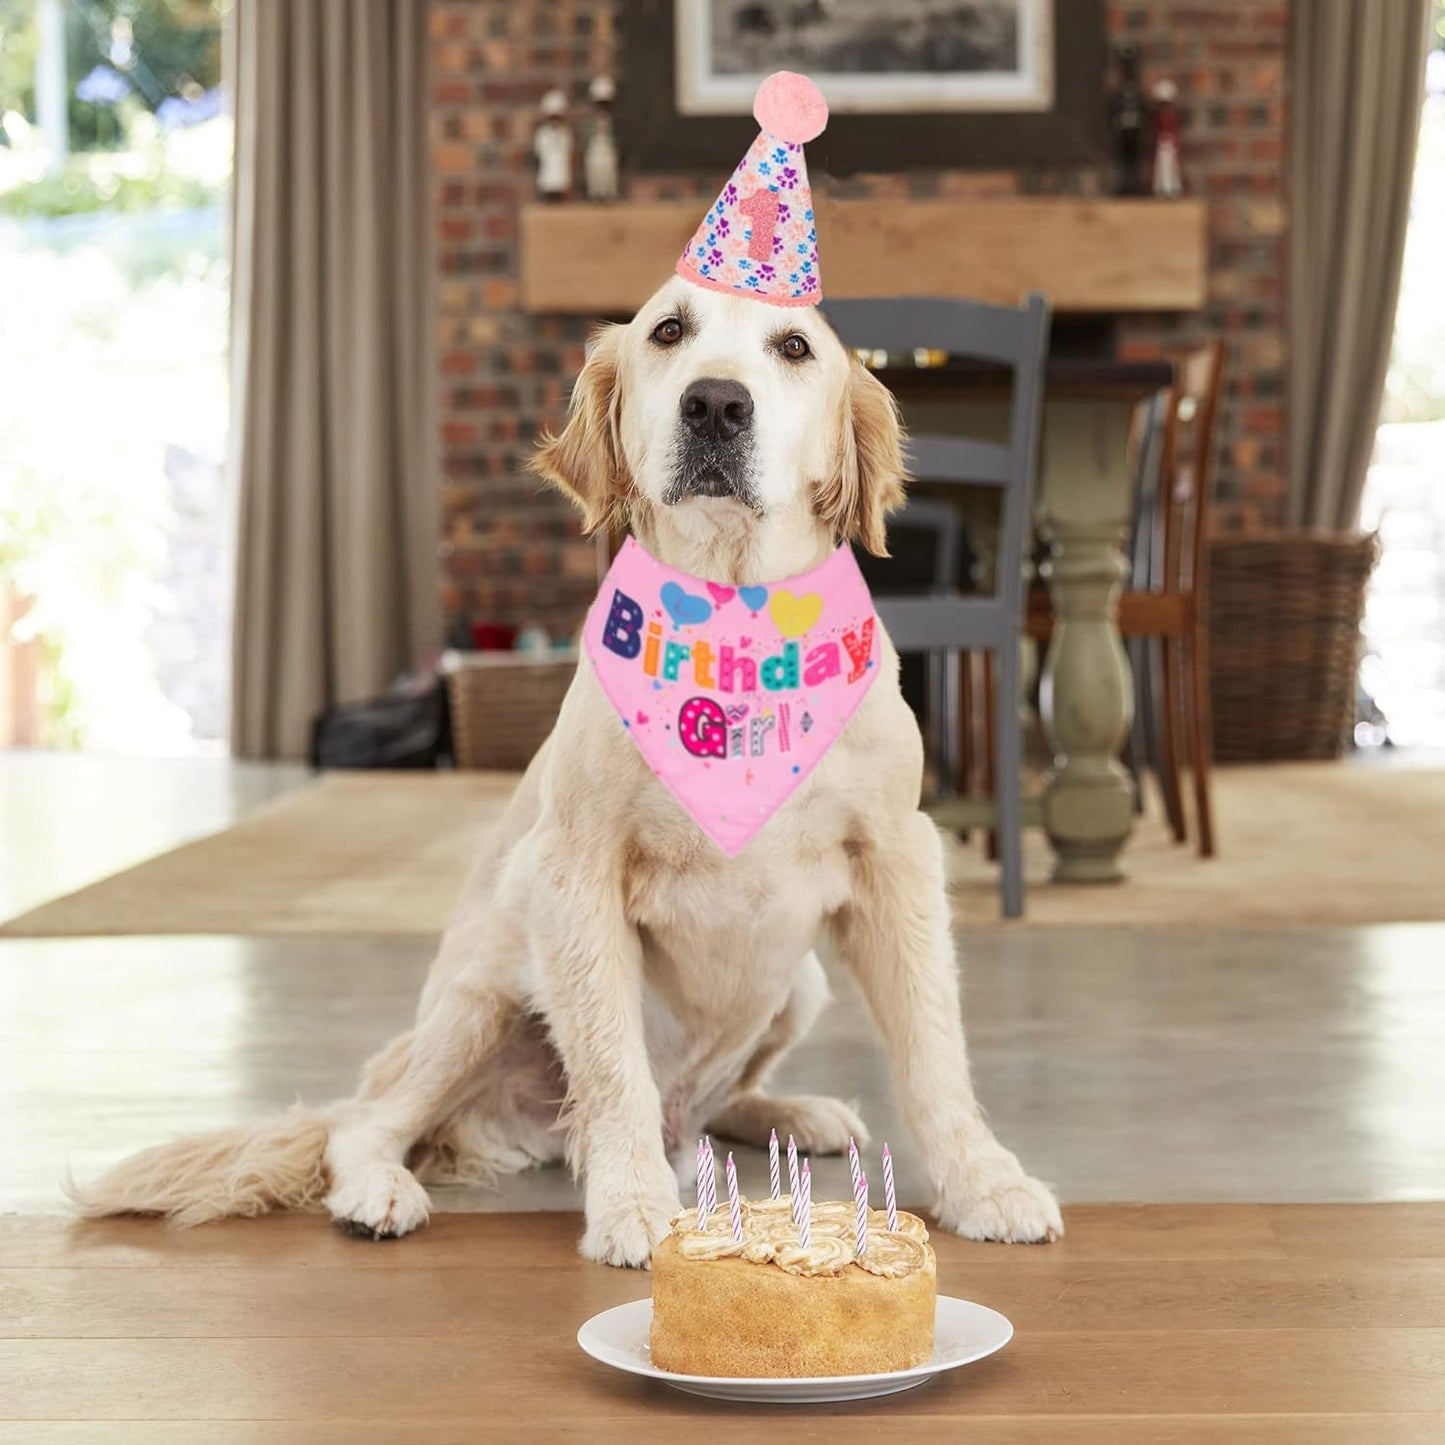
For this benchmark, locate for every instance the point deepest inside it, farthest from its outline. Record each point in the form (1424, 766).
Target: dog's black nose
(717, 408)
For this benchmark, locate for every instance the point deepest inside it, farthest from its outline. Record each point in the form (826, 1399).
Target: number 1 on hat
(761, 208)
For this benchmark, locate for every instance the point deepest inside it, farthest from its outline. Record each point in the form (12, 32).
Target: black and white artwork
(868, 56)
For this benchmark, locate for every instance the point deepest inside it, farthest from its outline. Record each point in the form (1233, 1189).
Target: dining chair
(945, 623)
(941, 529)
(1164, 613)
(1145, 558)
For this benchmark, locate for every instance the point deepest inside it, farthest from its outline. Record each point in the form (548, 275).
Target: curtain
(1357, 77)
(332, 437)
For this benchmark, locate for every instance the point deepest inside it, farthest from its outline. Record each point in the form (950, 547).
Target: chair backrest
(1013, 337)
(941, 521)
(1186, 476)
(1151, 438)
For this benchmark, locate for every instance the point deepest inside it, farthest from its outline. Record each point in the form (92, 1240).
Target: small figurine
(1168, 177)
(599, 162)
(552, 147)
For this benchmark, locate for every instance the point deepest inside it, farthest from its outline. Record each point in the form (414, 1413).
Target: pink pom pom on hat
(759, 238)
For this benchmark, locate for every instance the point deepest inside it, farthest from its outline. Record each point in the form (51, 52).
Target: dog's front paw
(378, 1201)
(624, 1224)
(993, 1199)
(818, 1124)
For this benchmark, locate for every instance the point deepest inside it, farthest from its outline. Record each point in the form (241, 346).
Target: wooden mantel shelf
(1088, 255)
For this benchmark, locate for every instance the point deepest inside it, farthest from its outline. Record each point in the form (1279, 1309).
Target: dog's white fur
(611, 982)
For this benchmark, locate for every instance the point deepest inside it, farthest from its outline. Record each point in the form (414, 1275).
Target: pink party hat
(759, 238)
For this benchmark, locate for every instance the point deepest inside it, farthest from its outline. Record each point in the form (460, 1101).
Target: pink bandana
(733, 694)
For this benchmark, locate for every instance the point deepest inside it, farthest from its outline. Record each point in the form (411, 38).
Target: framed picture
(1001, 83)
(905, 57)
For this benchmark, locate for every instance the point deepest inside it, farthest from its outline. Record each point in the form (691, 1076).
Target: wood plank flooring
(1214, 1066)
(1213, 1323)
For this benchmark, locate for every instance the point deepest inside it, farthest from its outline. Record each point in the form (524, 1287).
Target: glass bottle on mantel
(1168, 178)
(1129, 114)
(599, 160)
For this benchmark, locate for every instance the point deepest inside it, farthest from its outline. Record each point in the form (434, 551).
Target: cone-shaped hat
(759, 238)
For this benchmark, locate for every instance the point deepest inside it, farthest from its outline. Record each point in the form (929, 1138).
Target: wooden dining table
(1082, 512)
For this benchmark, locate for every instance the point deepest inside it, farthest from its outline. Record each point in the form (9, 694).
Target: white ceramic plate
(963, 1332)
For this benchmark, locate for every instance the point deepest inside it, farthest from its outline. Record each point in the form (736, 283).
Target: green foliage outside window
(163, 49)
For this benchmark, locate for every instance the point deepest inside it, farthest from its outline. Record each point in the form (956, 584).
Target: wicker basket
(1284, 623)
(503, 704)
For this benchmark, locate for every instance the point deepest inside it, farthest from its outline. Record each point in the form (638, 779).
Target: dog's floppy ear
(867, 480)
(586, 460)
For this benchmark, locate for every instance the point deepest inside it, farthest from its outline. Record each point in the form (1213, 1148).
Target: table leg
(1086, 691)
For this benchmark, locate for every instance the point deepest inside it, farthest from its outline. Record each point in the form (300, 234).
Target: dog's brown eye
(795, 348)
(667, 333)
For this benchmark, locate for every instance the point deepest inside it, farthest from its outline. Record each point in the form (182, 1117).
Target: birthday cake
(752, 1295)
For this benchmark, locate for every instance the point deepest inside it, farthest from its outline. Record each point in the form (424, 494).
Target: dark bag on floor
(404, 729)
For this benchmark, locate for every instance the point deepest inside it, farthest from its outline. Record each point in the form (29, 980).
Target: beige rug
(354, 853)
(388, 853)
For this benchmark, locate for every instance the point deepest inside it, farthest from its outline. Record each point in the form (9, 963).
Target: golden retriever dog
(612, 982)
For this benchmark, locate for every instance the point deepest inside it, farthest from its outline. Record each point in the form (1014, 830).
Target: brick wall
(512, 552)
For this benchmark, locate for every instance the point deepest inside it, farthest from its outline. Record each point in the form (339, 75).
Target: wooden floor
(1319, 1323)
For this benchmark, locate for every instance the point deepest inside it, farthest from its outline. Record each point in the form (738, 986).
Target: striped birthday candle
(805, 1209)
(855, 1165)
(793, 1177)
(710, 1174)
(735, 1208)
(890, 1200)
(773, 1178)
(860, 1198)
(701, 1188)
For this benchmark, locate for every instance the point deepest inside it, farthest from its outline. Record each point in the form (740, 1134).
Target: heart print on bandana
(732, 708)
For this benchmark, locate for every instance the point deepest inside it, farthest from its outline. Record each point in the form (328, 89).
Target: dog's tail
(248, 1170)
